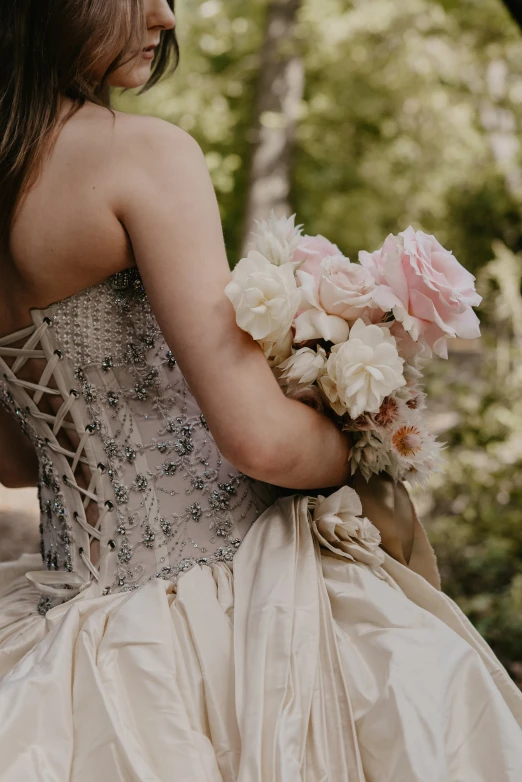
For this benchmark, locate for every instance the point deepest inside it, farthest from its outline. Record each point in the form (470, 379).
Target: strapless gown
(187, 624)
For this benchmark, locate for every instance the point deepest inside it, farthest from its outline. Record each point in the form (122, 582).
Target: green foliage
(394, 126)
(399, 123)
(476, 518)
(476, 504)
(398, 126)
(412, 114)
(212, 95)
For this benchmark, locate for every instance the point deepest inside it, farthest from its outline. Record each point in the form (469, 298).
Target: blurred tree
(213, 96)
(280, 91)
(392, 129)
(515, 9)
(403, 120)
(476, 503)
(412, 113)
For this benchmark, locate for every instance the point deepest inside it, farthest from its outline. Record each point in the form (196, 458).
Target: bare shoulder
(107, 139)
(160, 167)
(150, 141)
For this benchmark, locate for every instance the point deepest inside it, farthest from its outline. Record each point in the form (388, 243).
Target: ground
(18, 523)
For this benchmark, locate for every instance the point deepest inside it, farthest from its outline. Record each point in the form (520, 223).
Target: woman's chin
(137, 77)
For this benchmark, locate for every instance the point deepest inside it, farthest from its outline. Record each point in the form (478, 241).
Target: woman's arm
(18, 462)
(166, 201)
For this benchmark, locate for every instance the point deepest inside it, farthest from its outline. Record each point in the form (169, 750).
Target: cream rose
(338, 526)
(345, 288)
(303, 367)
(361, 372)
(317, 324)
(264, 296)
(311, 251)
(313, 322)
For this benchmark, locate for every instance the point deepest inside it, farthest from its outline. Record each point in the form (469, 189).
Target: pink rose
(345, 288)
(342, 292)
(425, 287)
(311, 251)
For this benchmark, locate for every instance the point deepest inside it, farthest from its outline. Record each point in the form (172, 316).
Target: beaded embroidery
(165, 497)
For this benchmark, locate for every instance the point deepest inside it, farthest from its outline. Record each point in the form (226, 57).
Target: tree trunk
(500, 126)
(515, 9)
(281, 86)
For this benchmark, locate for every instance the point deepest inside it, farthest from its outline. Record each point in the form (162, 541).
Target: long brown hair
(50, 49)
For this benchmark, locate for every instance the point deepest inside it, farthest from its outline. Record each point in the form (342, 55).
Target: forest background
(363, 117)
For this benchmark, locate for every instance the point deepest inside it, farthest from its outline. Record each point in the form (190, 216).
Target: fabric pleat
(288, 673)
(291, 664)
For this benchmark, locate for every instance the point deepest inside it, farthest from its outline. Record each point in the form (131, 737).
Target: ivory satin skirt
(299, 662)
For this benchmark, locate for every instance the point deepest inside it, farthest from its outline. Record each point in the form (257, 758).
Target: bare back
(129, 190)
(66, 235)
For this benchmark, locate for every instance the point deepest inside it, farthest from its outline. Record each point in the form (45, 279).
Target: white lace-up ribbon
(54, 583)
(57, 583)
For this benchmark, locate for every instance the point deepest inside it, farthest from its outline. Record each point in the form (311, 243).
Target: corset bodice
(128, 467)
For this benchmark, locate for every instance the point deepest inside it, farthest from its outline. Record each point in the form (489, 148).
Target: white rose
(278, 238)
(264, 296)
(303, 367)
(343, 506)
(361, 372)
(345, 288)
(368, 534)
(338, 525)
(314, 322)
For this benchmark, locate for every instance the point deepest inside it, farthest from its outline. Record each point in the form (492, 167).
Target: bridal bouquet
(354, 337)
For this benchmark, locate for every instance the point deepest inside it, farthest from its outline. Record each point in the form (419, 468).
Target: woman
(168, 636)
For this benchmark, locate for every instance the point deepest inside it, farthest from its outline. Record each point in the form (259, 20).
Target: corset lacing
(132, 485)
(56, 584)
